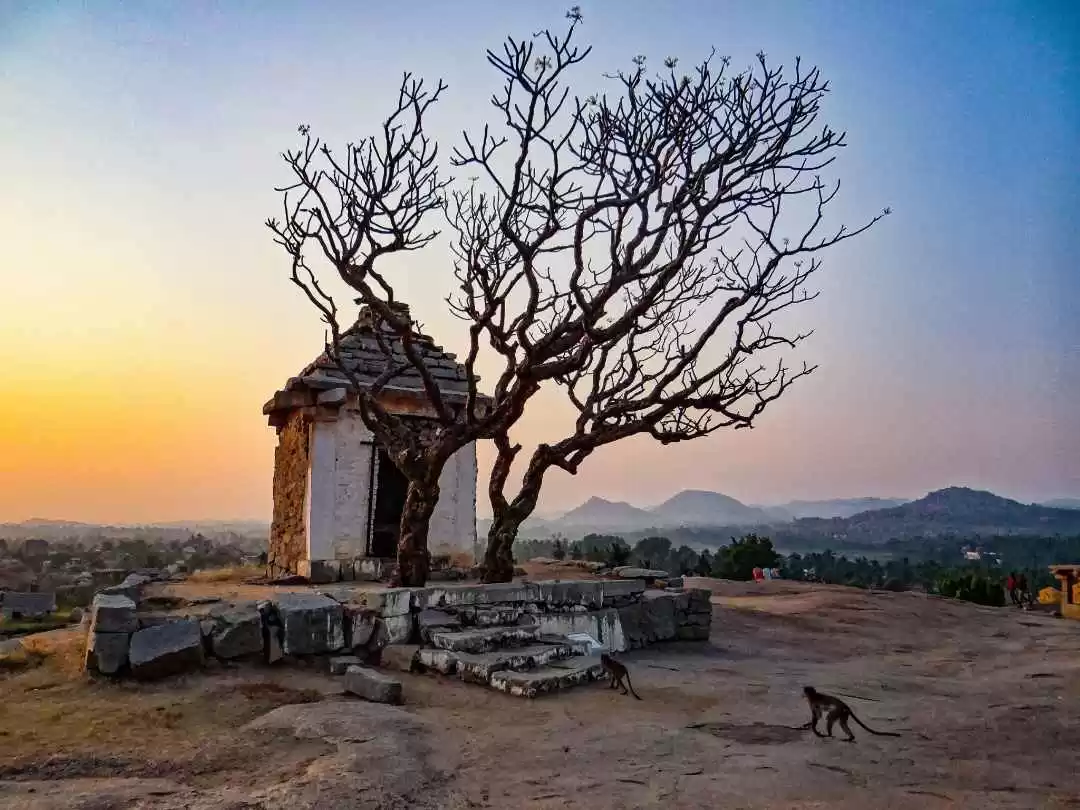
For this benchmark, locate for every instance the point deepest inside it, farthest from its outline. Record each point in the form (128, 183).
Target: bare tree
(635, 248)
(627, 248)
(350, 211)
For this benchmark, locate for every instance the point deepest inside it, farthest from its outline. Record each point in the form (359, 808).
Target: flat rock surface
(984, 698)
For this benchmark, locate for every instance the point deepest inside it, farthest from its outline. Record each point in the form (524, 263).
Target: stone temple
(337, 496)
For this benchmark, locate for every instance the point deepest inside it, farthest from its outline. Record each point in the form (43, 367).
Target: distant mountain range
(696, 508)
(48, 529)
(700, 515)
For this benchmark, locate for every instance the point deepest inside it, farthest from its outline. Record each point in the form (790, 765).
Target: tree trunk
(499, 557)
(413, 558)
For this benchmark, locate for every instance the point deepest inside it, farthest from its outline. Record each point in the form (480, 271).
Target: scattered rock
(372, 685)
(167, 649)
(401, 657)
(630, 572)
(340, 663)
(675, 582)
(113, 613)
(106, 653)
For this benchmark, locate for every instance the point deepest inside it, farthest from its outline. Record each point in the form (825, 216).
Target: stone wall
(619, 614)
(288, 541)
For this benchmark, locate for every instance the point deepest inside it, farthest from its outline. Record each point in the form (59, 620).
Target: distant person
(1010, 586)
(1022, 589)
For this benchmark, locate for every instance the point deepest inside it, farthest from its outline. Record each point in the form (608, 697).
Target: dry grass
(50, 709)
(232, 573)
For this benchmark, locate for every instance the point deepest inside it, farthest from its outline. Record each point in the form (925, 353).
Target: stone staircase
(517, 658)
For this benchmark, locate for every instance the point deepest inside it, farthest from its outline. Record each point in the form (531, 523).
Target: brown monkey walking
(618, 673)
(835, 710)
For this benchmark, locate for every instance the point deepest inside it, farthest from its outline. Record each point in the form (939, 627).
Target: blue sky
(139, 146)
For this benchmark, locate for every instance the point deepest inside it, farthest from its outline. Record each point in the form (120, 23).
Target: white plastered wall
(453, 526)
(339, 491)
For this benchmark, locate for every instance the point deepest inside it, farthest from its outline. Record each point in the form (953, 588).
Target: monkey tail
(631, 687)
(878, 733)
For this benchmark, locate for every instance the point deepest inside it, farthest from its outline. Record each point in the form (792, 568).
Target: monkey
(618, 673)
(835, 710)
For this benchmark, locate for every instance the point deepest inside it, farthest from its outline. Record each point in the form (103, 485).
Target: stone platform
(512, 637)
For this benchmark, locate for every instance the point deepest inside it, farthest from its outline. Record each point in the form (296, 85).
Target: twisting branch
(638, 249)
(350, 211)
(353, 210)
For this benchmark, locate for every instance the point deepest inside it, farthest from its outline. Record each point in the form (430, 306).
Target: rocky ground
(986, 701)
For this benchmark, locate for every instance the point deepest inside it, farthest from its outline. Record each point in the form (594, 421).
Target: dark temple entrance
(391, 486)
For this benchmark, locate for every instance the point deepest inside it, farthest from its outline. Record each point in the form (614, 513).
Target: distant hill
(1063, 503)
(695, 507)
(833, 508)
(599, 513)
(954, 510)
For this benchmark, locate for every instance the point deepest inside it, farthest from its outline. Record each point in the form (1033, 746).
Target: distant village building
(35, 547)
(23, 605)
(337, 495)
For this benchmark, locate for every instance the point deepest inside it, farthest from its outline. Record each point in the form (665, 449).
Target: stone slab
(399, 629)
(319, 572)
(589, 595)
(107, 653)
(621, 589)
(313, 624)
(431, 620)
(658, 616)
(603, 625)
(400, 657)
(340, 663)
(360, 625)
(460, 595)
(370, 684)
(167, 649)
(484, 639)
(442, 661)
(552, 678)
(387, 602)
(479, 667)
(631, 572)
(113, 613)
(237, 632)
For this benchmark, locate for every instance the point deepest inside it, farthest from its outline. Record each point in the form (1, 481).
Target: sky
(146, 315)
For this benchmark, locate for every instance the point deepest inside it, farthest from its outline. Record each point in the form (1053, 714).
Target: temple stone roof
(362, 355)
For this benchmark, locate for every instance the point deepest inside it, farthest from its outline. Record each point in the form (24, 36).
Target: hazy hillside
(833, 508)
(695, 507)
(955, 510)
(602, 514)
(1063, 503)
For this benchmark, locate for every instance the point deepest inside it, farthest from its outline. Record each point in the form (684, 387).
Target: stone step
(479, 667)
(552, 678)
(485, 639)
